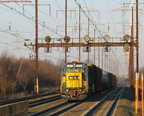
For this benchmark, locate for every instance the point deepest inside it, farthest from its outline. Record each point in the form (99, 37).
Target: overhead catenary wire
(89, 19)
(24, 16)
(24, 48)
(32, 18)
(73, 23)
(101, 34)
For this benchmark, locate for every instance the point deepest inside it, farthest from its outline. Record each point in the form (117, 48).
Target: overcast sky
(17, 24)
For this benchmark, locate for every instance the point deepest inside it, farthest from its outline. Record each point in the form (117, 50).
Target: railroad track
(43, 101)
(58, 109)
(65, 107)
(106, 106)
(103, 107)
(30, 98)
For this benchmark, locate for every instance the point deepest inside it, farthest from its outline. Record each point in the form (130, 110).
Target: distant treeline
(18, 75)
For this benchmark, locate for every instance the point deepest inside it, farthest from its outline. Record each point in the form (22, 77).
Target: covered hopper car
(79, 80)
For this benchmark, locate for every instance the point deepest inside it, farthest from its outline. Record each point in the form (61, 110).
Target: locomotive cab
(73, 81)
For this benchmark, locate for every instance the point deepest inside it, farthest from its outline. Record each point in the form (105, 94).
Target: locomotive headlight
(80, 90)
(67, 90)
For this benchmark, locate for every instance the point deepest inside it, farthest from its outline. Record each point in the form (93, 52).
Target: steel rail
(96, 106)
(49, 109)
(43, 101)
(111, 109)
(24, 98)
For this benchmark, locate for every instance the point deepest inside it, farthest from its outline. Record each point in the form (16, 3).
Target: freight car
(79, 80)
(108, 80)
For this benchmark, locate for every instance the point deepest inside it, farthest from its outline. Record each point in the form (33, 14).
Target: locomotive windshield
(74, 68)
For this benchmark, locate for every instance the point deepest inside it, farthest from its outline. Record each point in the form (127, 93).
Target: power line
(39, 22)
(89, 19)
(8, 32)
(64, 10)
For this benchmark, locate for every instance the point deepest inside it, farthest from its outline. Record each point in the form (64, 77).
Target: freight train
(80, 80)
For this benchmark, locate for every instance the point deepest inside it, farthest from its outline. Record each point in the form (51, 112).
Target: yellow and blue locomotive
(79, 80)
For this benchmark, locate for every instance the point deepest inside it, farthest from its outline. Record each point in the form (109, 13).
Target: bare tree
(23, 74)
(4, 82)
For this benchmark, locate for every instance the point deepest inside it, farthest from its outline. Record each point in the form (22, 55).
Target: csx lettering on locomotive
(73, 77)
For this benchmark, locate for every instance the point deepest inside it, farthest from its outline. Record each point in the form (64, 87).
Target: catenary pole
(36, 47)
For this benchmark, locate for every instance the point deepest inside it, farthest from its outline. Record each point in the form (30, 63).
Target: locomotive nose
(74, 93)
